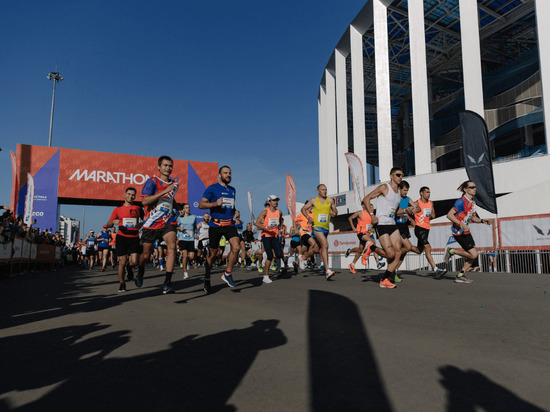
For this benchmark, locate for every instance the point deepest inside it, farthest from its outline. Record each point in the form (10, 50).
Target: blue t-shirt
(403, 205)
(189, 225)
(90, 242)
(103, 239)
(224, 212)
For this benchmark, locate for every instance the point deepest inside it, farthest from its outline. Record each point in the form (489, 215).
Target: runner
(160, 220)
(462, 213)
(248, 238)
(202, 247)
(365, 233)
(387, 207)
(127, 218)
(295, 246)
(103, 247)
(309, 246)
(239, 226)
(269, 222)
(323, 209)
(220, 199)
(91, 251)
(112, 248)
(186, 237)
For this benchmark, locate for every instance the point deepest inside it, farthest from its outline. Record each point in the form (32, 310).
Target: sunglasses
(398, 174)
(471, 187)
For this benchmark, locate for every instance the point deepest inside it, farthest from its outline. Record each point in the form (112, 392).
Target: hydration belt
(222, 222)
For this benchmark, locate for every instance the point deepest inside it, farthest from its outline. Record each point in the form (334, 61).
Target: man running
(323, 209)
(387, 207)
(160, 220)
(127, 217)
(103, 247)
(186, 237)
(462, 213)
(220, 199)
(269, 222)
(202, 247)
(365, 233)
(91, 247)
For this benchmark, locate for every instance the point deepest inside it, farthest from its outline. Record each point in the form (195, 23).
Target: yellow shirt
(321, 213)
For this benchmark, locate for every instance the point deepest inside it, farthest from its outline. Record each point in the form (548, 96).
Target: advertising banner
(87, 177)
(14, 188)
(17, 248)
(357, 177)
(291, 197)
(525, 232)
(46, 253)
(250, 206)
(29, 201)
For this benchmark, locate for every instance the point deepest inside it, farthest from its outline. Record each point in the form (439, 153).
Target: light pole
(56, 77)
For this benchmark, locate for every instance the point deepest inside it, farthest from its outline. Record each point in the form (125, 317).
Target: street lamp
(56, 77)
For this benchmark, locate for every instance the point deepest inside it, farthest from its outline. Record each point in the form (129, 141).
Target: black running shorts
(188, 245)
(466, 241)
(216, 233)
(126, 245)
(382, 230)
(422, 236)
(150, 235)
(404, 230)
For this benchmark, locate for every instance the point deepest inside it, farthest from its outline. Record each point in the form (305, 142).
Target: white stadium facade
(396, 81)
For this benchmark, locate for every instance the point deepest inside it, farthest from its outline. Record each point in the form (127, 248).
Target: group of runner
(160, 222)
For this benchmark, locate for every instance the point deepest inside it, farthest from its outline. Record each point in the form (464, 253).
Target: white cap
(272, 197)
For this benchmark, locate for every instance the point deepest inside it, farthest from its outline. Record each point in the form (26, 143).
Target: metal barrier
(508, 261)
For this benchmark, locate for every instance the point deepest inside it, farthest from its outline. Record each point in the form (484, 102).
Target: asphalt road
(70, 341)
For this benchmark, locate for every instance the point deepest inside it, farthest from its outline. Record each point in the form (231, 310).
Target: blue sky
(228, 82)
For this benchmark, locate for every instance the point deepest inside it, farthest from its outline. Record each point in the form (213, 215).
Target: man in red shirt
(127, 217)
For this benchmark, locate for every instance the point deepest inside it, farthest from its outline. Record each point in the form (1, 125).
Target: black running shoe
(206, 286)
(122, 287)
(130, 273)
(139, 278)
(167, 289)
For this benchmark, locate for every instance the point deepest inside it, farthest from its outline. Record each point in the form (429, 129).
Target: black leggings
(272, 244)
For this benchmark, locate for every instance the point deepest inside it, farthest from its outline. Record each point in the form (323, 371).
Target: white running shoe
(185, 275)
(267, 280)
(302, 263)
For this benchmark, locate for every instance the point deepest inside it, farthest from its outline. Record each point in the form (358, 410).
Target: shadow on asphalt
(344, 375)
(194, 374)
(470, 391)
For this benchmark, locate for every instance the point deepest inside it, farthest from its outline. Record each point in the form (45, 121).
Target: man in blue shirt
(220, 199)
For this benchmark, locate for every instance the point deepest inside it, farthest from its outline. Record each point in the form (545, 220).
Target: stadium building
(403, 70)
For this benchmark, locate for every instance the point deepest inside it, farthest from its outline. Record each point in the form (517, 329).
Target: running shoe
(253, 259)
(301, 262)
(260, 269)
(185, 275)
(227, 278)
(367, 251)
(295, 264)
(386, 283)
(352, 269)
(439, 273)
(363, 260)
(322, 267)
(266, 280)
(167, 289)
(181, 265)
(448, 253)
(139, 278)
(463, 279)
(347, 253)
(273, 267)
(380, 265)
(161, 268)
(206, 286)
(243, 265)
(397, 279)
(329, 273)
(103, 269)
(122, 287)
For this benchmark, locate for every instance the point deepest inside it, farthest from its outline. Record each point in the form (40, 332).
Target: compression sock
(168, 277)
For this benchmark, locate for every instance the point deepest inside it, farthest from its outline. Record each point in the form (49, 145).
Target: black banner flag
(477, 158)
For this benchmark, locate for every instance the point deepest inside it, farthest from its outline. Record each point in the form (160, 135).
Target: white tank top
(386, 206)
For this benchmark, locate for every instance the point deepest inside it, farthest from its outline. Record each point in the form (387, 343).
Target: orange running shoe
(386, 283)
(352, 269)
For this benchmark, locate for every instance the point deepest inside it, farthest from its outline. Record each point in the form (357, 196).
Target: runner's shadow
(196, 373)
(470, 391)
(344, 374)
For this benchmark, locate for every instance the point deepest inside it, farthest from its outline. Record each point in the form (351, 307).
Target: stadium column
(358, 96)
(331, 181)
(471, 56)
(419, 83)
(342, 120)
(543, 35)
(322, 133)
(383, 100)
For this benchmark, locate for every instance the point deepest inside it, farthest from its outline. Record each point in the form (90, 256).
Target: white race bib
(273, 221)
(391, 213)
(228, 202)
(323, 218)
(427, 212)
(129, 222)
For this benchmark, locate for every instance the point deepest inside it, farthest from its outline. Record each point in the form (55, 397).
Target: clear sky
(228, 82)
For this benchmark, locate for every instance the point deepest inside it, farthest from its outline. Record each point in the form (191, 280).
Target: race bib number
(368, 228)
(164, 203)
(323, 218)
(391, 213)
(129, 222)
(273, 221)
(427, 212)
(228, 202)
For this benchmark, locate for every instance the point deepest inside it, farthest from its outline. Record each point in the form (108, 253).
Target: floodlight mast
(56, 77)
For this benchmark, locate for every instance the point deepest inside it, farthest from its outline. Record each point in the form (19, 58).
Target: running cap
(91, 231)
(104, 226)
(272, 197)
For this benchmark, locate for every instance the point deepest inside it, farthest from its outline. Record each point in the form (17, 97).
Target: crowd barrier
(22, 256)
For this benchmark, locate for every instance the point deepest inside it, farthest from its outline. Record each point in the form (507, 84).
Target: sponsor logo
(108, 177)
(541, 232)
(343, 243)
(38, 213)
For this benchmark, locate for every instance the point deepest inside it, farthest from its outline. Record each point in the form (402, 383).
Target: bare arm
(204, 204)
(334, 211)
(351, 218)
(305, 209)
(380, 190)
(260, 221)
